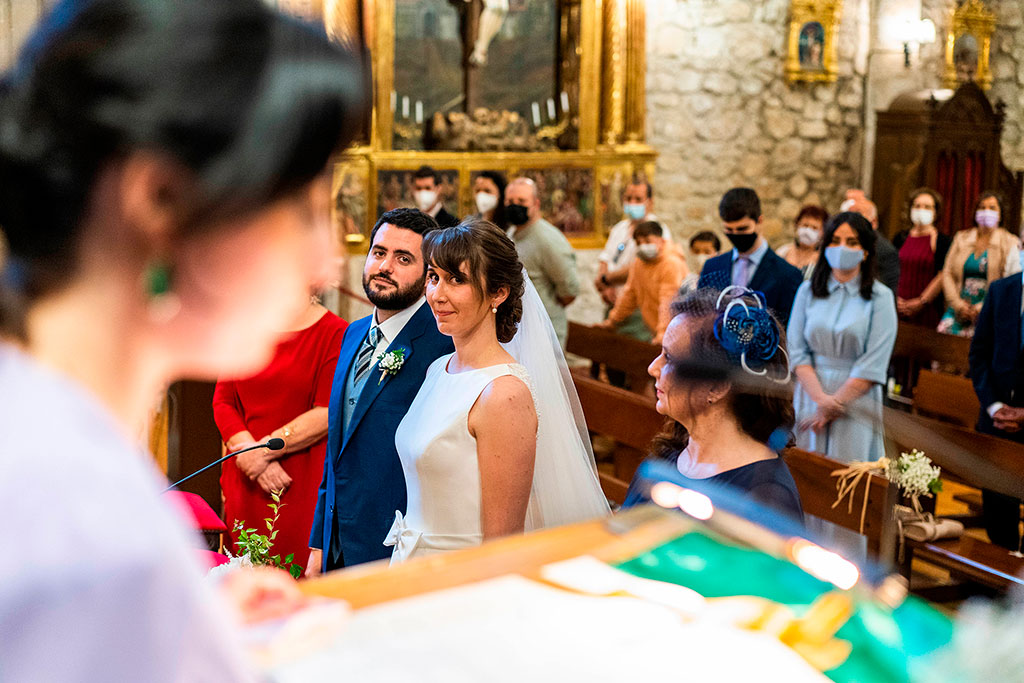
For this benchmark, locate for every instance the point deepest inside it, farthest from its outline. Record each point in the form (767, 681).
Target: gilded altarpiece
(550, 89)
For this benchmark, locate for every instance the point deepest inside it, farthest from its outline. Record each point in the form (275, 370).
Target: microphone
(274, 444)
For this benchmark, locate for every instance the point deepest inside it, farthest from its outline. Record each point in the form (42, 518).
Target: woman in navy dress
(719, 431)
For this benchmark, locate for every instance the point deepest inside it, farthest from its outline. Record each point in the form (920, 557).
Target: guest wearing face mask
(620, 251)
(489, 196)
(802, 252)
(922, 251)
(841, 335)
(978, 256)
(545, 252)
(652, 284)
(426, 186)
(751, 263)
(703, 246)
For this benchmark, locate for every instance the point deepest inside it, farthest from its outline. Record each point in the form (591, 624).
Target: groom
(363, 483)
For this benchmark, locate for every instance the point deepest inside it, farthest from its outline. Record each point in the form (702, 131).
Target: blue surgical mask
(634, 212)
(843, 258)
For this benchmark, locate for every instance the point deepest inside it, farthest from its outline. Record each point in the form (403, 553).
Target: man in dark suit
(426, 192)
(751, 263)
(997, 370)
(363, 484)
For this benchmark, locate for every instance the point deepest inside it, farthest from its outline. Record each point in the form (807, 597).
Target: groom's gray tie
(365, 358)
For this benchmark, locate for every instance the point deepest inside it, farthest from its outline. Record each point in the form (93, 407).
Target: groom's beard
(394, 300)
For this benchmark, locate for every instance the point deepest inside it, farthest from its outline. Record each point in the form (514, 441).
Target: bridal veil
(565, 483)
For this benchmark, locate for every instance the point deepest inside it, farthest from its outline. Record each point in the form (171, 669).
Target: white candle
(405, 107)
(536, 114)
(419, 111)
(565, 102)
(551, 109)
(394, 101)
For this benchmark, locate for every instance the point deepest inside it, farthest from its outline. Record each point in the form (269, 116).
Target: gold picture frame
(811, 51)
(968, 45)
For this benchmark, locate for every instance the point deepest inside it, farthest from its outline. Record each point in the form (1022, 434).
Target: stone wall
(721, 114)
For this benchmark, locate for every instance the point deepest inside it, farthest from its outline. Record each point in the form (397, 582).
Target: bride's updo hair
(492, 261)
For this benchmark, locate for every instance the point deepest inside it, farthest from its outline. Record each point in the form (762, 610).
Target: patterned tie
(742, 271)
(365, 358)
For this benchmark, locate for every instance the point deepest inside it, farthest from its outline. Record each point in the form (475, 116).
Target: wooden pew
(628, 418)
(812, 473)
(947, 397)
(614, 350)
(924, 345)
(992, 463)
(979, 460)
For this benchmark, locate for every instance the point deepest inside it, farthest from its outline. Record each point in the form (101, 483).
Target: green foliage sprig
(257, 547)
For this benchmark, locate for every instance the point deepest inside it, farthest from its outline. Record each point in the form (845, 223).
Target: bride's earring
(494, 309)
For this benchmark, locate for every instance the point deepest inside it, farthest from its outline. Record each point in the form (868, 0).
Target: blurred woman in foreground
(159, 165)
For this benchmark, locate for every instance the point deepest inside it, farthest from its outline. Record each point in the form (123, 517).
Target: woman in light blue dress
(841, 335)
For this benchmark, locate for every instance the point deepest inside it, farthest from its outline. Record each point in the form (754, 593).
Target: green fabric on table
(884, 641)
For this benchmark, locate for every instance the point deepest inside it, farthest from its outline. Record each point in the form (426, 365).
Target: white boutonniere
(390, 363)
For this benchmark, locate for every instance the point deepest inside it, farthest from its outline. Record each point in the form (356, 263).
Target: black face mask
(743, 241)
(517, 214)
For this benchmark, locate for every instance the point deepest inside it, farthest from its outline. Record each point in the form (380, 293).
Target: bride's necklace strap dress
(439, 460)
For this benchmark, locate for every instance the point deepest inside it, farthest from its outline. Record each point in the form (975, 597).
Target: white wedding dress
(439, 460)
(439, 456)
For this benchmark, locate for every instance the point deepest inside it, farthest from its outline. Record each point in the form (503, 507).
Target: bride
(494, 442)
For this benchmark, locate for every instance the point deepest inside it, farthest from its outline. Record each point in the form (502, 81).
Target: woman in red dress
(922, 251)
(287, 399)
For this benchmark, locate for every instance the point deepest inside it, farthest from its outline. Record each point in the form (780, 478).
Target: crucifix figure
(490, 21)
(481, 21)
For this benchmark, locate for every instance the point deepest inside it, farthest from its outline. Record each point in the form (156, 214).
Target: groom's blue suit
(363, 483)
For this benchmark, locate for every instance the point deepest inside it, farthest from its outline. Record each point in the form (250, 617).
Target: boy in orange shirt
(653, 281)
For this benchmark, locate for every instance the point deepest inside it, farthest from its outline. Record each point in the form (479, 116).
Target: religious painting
(479, 75)
(394, 190)
(968, 43)
(566, 198)
(812, 41)
(812, 46)
(350, 188)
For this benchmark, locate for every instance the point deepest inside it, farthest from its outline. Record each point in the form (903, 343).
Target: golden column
(614, 59)
(636, 71)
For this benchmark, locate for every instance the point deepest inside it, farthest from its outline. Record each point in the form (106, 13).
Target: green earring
(158, 279)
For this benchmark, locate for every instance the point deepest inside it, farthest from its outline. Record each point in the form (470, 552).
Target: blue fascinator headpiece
(747, 331)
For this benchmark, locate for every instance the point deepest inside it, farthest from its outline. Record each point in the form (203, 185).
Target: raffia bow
(850, 477)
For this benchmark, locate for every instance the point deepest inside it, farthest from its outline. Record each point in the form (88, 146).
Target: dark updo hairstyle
(866, 235)
(250, 103)
(762, 409)
(491, 259)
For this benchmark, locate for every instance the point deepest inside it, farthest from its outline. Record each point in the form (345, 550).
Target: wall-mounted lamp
(919, 32)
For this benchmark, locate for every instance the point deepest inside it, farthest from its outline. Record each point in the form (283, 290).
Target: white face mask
(700, 260)
(808, 236)
(647, 252)
(922, 216)
(425, 199)
(485, 201)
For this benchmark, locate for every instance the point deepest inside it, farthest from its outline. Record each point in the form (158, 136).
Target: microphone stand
(274, 444)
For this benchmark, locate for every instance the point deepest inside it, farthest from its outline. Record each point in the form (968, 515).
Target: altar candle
(394, 101)
(565, 102)
(405, 107)
(419, 111)
(551, 109)
(536, 114)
